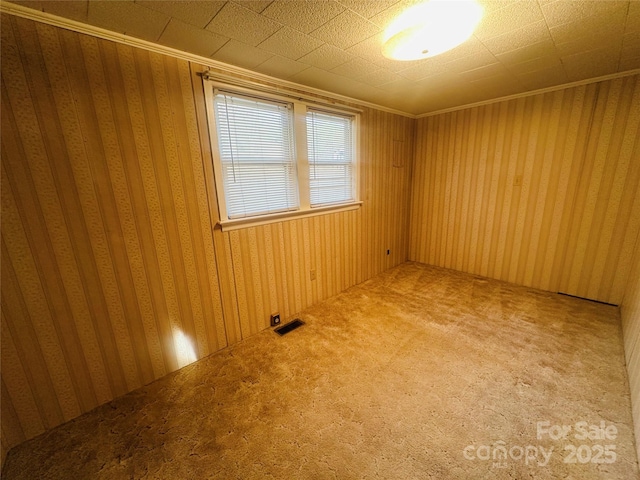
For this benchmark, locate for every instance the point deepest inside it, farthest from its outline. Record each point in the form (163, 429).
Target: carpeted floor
(418, 373)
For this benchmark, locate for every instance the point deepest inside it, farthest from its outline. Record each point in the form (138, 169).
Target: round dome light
(430, 28)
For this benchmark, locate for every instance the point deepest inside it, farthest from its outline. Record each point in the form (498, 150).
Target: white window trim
(265, 219)
(300, 106)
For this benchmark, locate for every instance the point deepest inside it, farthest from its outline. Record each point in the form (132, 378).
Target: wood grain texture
(269, 266)
(110, 252)
(541, 191)
(108, 260)
(630, 313)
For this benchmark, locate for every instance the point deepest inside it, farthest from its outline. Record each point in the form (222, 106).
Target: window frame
(300, 108)
(318, 164)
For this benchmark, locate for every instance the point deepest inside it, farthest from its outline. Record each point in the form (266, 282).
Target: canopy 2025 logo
(592, 446)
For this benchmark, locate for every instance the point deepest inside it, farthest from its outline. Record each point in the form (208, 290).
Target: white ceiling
(335, 45)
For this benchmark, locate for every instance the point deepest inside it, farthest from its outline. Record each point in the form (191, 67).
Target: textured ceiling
(519, 46)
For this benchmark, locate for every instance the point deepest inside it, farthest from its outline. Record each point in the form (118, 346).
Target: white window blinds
(256, 144)
(330, 152)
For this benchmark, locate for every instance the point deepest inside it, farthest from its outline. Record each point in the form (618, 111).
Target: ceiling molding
(68, 24)
(533, 92)
(79, 27)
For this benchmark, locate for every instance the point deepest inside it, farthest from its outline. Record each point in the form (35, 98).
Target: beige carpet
(418, 373)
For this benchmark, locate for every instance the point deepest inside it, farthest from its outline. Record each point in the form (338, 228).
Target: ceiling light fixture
(430, 28)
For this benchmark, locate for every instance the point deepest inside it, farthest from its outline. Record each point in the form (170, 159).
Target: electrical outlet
(312, 274)
(275, 319)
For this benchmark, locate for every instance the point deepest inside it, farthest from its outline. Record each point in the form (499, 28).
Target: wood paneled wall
(272, 265)
(541, 191)
(109, 278)
(111, 261)
(630, 313)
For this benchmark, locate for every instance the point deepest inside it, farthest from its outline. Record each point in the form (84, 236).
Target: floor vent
(288, 327)
(588, 299)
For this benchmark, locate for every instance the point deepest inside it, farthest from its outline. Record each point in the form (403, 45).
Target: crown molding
(533, 92)
(79, 27)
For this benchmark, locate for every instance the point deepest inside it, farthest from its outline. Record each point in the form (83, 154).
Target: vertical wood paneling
(630, 314)
(110, 250)
(111, 253)
(272, 263)
(219, 248)
(107, 84)
(12, 432)
(538, 191)
(108, 258)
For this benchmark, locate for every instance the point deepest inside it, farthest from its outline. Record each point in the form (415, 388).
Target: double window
(276, 157)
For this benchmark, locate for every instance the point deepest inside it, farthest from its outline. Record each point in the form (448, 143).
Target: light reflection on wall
(184, 349)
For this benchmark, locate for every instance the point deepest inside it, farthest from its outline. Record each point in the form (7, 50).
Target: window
(330, 153)
(276, 157)
(256, 147)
